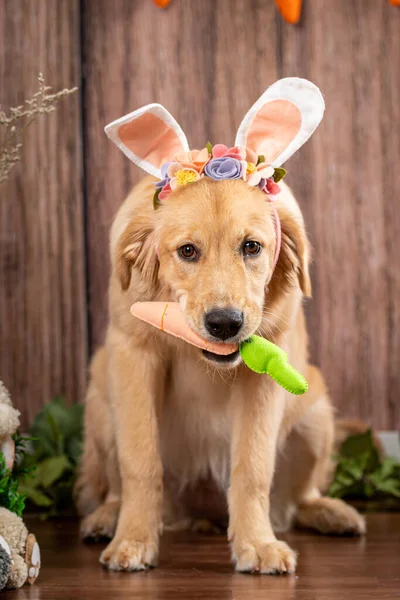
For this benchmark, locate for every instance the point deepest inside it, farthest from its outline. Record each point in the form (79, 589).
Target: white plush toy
(9, 423)
(19, 550)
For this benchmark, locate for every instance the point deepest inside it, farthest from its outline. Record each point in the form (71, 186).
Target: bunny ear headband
(274, 128)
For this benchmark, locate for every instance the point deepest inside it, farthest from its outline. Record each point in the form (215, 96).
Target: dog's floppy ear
(294, 258)
(149, 137)
(137, 248)
(282, 120)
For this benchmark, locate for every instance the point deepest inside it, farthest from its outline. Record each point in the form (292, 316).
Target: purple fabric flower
(164, 177)
(224, 168)
(262, 183)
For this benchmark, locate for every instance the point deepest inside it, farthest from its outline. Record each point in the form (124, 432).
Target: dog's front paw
(274, 558)
(129, 555)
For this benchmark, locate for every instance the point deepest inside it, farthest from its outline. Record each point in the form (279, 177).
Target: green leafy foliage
(209, 148)
(363, 475)
(11, 496)
(156, 201)
(57, 446)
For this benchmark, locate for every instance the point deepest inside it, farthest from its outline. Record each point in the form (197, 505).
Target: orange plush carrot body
(290, 10)
(168, 317)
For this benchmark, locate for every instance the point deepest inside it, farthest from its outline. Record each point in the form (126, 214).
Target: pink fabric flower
(222, 151)
(165, 192)
(271, 188)
(195, 159)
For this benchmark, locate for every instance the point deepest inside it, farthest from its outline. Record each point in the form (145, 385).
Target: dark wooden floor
(195, 567)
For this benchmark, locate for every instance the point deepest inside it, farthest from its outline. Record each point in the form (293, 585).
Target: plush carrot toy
(162, 3)
(290, 10)
(259, 354)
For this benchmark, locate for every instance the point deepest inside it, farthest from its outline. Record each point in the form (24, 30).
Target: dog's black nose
(224, 323)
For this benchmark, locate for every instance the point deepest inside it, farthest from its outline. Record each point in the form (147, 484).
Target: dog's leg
(91, 486)
(330, 516)
(135, 375)
(310, 451)
(102, 522)
(97, 491)
(305, 467)
(258, 408)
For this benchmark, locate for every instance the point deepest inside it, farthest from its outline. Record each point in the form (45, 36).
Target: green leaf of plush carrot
(262, 356)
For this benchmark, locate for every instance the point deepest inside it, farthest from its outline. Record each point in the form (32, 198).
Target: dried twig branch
(18, 118)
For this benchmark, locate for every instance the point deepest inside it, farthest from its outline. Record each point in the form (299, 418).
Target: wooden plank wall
(43, 333)
(206, 62)
(348, 182)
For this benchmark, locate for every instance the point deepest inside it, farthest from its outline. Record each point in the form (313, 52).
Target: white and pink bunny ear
(282, 119)
(149, 137)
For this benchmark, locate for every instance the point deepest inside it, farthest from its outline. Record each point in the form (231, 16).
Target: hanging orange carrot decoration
(162, 3)
(290, 10)
(395, 2)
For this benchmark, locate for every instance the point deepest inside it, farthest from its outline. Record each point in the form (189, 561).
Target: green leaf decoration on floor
(262, 356)
(363, 475)
(54, 457)
(11, 494)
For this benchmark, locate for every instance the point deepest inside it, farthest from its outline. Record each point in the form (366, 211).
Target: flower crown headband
(275, 127)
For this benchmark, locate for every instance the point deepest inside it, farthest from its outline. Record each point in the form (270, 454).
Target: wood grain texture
(347, 181)
(42, 299)
(198, 567)
(183, 57)
(206, 62)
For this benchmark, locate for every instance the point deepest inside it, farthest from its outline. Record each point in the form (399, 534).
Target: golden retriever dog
(181, 437)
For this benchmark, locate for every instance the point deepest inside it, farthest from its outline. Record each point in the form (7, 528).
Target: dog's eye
(188, 252)
(251, 248)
